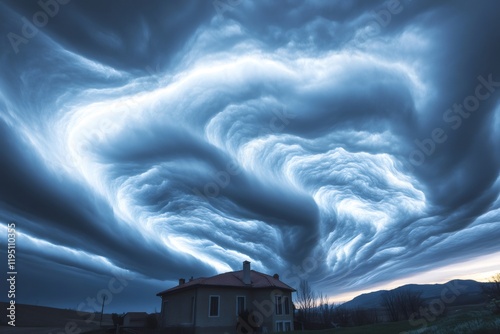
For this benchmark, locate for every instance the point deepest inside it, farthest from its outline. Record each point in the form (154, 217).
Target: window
(283, 326)
(279, 304)
(279, 326)
(213, 306)
(288, 326)
(240, 304)
(287, 305)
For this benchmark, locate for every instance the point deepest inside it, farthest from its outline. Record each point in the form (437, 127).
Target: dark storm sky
(351, 143)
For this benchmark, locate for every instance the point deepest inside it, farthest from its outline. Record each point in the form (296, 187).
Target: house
(135, 319)
(244, 301)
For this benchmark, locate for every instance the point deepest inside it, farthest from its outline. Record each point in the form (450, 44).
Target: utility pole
(102, 310)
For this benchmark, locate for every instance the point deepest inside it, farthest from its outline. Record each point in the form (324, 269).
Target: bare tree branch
(306, 301)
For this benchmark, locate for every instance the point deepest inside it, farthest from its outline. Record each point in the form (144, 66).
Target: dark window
(283, 326)
(287, 305)
(213, 306)
(240, 304)
(279, 305)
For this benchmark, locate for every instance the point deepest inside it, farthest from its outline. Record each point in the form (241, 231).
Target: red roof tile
(233, 279)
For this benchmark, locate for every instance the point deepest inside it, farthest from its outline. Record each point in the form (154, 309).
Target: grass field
(473, 319)
(32, 319)
(460, 321)
(465, 320)
(386, 328)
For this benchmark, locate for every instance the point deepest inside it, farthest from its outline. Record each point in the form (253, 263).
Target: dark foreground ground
(32, 319)
(465, 319)
(472, 319)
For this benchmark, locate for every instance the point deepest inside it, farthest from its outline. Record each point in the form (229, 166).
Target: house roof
(232, 279)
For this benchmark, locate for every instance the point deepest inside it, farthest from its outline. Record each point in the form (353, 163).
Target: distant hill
(467, 291)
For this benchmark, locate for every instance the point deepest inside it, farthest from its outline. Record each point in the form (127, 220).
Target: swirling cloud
(178, 140)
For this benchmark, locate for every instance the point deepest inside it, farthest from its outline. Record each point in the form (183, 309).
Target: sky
(354, 144)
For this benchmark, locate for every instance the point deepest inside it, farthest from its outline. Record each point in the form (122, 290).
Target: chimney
(276, 276)
(182, 281)
(191, 279)
(246, 272)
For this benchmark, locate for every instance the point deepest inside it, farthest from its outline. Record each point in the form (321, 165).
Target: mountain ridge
(469, 290)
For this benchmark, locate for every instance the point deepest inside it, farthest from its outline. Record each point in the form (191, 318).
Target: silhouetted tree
(326, 311)
(390, 303)
(341, 316)
(114, 317)
(117, 319)
(151, 321)
(492, 290)
(306, 301)
(409, 302)
(496, 280)
(361, 316)
(402, 303)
